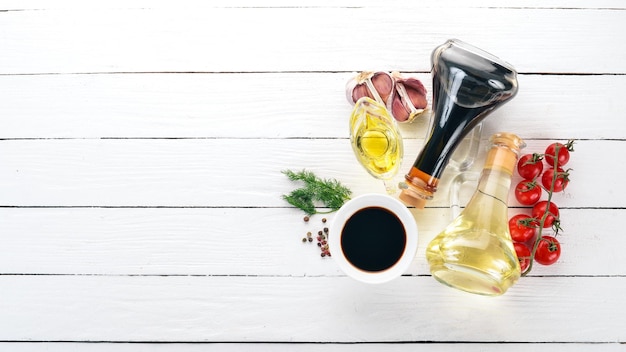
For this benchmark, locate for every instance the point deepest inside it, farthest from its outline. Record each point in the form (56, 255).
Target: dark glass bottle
(468, 84)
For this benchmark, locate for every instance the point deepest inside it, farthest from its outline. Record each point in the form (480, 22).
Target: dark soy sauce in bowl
(373, 239)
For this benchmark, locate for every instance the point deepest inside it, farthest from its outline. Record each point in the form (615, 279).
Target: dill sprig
(329, 192)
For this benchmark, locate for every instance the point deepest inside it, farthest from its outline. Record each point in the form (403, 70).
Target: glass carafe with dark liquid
(468, 84)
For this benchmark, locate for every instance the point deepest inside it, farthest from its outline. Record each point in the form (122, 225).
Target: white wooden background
(141, 145)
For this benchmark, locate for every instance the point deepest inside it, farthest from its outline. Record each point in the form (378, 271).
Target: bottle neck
(501, 158)
(496, 176)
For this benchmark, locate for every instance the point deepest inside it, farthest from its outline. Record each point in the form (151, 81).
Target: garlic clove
(359, 91)
(383, 83)
(416, 91)
(409, 98)
(375, 85)
(398, 110)
(352, 92)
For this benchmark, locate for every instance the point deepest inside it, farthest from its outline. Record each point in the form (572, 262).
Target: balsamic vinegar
(373, 239)
(468, 84)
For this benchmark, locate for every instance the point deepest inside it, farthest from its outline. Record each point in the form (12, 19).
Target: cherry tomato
(530, 166)
(540, 209)
(562, 155)
(561, 181)
(523, 255)
(521, 228)
(527, 192)
(548, 250)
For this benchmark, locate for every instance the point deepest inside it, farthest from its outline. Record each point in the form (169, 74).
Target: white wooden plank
(217, 242)
(273, 309)
(142, 4)
(245, 242)
(305, 38)
(310, 347)
(275, 105)
(233, 172)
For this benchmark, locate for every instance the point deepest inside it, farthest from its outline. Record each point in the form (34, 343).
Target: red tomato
(530, 166)
(527, 192)
(523, 255)
(521, 228)
(562, 155)
(553, 213)
(561, 181)
(548, 250)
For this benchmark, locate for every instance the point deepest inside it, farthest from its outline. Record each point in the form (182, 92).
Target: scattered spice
(322, 243)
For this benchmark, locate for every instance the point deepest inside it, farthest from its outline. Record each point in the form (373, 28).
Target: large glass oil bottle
(475, 252)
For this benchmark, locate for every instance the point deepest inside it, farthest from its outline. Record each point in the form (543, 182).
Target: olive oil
(375, 139)
(475, 252)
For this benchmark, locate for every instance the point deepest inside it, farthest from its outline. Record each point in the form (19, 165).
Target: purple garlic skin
(409, 98)
(405, 98)
(361, 86)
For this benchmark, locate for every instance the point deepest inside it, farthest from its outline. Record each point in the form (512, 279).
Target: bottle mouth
(412, 197)
(480, 52)
(472, 76)
(509, 140)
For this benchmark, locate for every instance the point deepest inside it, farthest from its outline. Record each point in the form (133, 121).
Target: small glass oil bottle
(475, 252)
(376, 141)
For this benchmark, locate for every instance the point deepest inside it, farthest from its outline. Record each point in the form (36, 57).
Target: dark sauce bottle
(468, 84)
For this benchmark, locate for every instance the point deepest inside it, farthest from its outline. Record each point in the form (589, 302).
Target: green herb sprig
(329, 192)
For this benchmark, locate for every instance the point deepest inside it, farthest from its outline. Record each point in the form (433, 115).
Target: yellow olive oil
(475, 256)
(375, 139)
(475, 252)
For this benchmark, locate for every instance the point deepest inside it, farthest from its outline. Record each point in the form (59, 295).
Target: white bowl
(366, 201)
